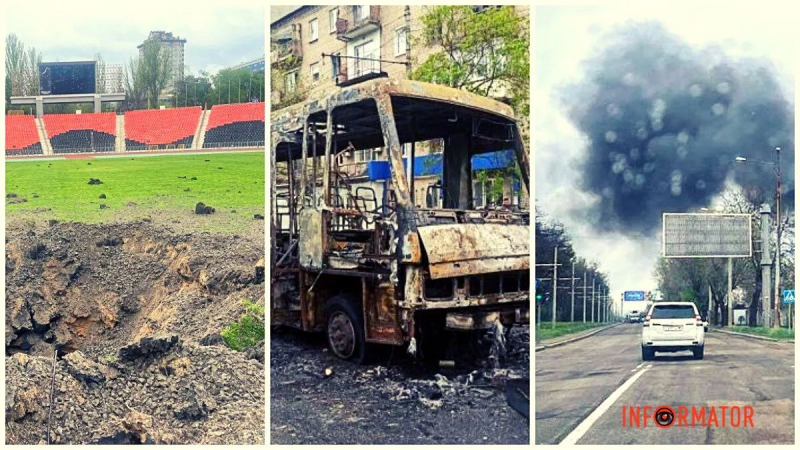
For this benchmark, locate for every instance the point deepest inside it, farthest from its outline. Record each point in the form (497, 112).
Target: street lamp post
(776, 322)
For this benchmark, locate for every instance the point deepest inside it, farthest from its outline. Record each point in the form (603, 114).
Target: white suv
(672, 327)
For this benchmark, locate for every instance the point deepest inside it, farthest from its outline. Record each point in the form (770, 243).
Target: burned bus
(387, 264)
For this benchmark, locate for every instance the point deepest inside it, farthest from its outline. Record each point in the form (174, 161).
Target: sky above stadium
(217, 35)
(565, 38)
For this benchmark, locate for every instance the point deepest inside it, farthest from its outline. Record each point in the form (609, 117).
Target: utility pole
(584, 295)
(766, 264)
(603, 316)
(592, 299)
(572, 296)
(555, 282)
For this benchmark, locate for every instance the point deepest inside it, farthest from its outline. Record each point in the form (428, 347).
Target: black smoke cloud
(665, 121)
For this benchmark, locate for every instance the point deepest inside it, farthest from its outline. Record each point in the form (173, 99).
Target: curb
(753, 336)
(573, 339)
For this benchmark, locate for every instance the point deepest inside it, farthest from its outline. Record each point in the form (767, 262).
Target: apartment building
(321, 47)
(315, 49)
(175, 45)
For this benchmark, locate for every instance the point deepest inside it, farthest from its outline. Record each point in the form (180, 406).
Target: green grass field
(780, 333)
(139, 186)
(547, 331)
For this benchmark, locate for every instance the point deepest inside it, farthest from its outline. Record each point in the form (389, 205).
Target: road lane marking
(587, 423)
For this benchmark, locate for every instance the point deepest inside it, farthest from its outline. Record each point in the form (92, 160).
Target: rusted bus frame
(477, 267)
(409, 251)
(469, 302)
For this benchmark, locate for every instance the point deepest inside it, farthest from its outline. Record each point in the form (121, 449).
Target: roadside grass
(136, 187)
(547, 331)
(780, 333)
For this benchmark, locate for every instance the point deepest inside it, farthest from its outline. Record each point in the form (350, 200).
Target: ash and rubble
(128, 318)
(317, 398)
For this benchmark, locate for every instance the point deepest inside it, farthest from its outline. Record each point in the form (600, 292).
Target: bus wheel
(345, 330)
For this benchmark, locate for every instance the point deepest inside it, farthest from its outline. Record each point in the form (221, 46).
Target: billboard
(633, 296)
(706, 235)
(59, 78)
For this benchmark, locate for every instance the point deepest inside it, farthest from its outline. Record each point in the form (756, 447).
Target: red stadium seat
(21, 136)
(81, 133)
(161, 128)
(235, 125)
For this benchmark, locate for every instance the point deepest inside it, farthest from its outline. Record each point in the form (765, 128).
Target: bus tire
(345, 329)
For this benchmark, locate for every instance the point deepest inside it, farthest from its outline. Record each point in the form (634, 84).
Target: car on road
(634, 317)
(672, 327)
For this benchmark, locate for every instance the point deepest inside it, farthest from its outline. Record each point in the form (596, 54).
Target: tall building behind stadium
(174, 45)
(113, 78)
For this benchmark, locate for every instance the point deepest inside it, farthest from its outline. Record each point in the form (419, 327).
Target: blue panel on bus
(433, 165)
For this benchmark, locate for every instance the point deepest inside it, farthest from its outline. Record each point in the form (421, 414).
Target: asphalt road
(573, 380)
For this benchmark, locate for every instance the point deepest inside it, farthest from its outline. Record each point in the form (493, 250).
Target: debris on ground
(359, 404)
(95, 181)
(126, 309)
(202, 208)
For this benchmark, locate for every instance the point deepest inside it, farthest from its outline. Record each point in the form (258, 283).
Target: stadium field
(138, 187)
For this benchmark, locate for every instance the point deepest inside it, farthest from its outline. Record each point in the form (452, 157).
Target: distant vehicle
(672, 327)
(634, 317)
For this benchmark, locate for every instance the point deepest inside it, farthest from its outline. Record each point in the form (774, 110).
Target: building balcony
(358, 21)
(352, 71)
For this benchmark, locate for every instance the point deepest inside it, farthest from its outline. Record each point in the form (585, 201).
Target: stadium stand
(161, 128)
(81, 133)
(21, 136)
(235, 125)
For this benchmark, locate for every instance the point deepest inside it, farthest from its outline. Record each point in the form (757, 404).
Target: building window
(290, 82)
(335, 65)
(363, 155)
(333, 15)
(482, 193)
(313, 30)
(360, 12)
(401, 41)
(315, 73)
(364, 61)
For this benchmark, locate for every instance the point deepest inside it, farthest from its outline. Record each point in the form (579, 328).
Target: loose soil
(132, 312)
